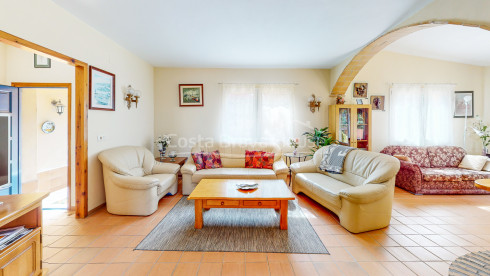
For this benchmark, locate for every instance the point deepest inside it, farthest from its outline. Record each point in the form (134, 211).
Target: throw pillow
(207, 158)
(216, 159)
(253, 159)
(403, 158)
(486, 167)
(473, 162)
(198, 160)
(267, 160)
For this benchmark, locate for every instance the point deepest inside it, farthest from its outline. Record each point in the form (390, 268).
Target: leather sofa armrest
(280, 167)
(134, 182)
(189, 167)
(165, 168)
(303, 167)
(364, 194)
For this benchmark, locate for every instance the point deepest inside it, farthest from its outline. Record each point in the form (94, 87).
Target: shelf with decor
(350, 124)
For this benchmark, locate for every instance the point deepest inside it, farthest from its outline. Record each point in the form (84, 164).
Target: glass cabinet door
(362, 123)
(344, 126)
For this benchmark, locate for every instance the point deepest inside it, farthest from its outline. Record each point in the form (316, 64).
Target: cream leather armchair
(134, 182)
(362, 196)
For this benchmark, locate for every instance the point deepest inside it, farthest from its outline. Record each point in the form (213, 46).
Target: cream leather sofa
(134, 182)
(233, 161)
(361, 197)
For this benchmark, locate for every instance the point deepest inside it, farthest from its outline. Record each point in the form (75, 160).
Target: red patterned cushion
(216, 159)
(267, 160)
(418, 155)
(198, 160)
(253, 159)
(446, 156)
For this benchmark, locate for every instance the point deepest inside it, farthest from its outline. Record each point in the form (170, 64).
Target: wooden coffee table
(223, 193)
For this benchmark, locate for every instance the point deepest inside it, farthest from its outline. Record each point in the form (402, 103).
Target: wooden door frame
(81, 115)
(56, 85)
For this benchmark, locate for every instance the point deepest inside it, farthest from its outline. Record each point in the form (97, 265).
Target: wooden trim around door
(68, 87)
(81, 114)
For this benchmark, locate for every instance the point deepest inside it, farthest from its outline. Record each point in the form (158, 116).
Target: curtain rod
(294, 83)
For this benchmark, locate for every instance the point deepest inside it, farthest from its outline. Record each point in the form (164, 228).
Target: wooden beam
(81, 156)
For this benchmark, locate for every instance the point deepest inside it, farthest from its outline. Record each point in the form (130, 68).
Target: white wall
(40, 151)
(46, 24)
(194, 122)
(2, 62)
(388, 67)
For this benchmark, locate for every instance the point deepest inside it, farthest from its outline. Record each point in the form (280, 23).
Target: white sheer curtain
(275, 112)
(239, 113)
(257, 113)
(421, 114)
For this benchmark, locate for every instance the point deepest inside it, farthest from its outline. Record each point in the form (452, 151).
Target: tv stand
(24, 256)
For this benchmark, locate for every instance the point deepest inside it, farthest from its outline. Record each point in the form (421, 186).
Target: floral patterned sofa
(434, 170)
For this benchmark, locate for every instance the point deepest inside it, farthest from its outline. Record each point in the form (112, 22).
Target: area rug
(233, 230)
(474, 263)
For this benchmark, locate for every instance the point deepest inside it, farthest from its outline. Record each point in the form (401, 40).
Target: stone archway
(359, 60)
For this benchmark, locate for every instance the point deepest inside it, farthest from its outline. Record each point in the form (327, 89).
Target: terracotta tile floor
(425, 235)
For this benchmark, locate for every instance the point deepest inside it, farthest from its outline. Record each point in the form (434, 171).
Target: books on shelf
(10, 235)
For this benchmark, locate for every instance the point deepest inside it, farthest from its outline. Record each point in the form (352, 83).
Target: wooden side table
(178, 160)
(483, 184)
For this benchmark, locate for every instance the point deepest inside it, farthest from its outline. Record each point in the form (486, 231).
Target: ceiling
(242, 34)
(468, 45)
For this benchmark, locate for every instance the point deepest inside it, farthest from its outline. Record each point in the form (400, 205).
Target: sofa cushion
(233, 173)
(418, 155)
(323, 186)
(473, 162)
(212, 160)
(198, 160)
(267, 160)
(452, 174)
(253, 159)
(166, 180)
(445, 156)
(441, 174)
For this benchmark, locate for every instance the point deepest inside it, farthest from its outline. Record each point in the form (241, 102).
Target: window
(421, 114)
(257, 113)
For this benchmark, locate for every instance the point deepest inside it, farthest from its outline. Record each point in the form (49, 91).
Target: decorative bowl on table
(172, 155)
(247, 186)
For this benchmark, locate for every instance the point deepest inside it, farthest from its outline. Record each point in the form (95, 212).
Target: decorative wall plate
(48, 127)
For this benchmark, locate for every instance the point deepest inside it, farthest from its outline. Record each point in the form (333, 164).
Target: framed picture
(41, 61)
(102, 90)
(191, 95)
(359, 101)
(360, 90)
(378, 103)
(463, 103)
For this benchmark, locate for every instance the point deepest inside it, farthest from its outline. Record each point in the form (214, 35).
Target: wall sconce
(314, 102)
(60, 108)
(132, 96)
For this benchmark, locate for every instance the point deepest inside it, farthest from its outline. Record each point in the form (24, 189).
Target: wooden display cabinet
(350, 124)
(24, 256)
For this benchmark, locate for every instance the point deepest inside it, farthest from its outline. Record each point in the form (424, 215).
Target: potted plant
(162, 142)
(319, 138)
(294, 143)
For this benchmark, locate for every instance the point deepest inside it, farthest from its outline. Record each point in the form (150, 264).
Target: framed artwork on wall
(41, 61)
(463, 104)
(102, 90)
(360, 90)
(378, 103)
(191, 95)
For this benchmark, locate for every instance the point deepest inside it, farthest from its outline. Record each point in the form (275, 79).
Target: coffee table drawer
(214, 202)
(260, 203)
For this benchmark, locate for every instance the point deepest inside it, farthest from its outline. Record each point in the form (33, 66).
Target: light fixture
(60, 108)
(314, 103)
(131, 96)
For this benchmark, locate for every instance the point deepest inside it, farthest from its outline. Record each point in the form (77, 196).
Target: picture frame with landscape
(102, 90)
(191, 95)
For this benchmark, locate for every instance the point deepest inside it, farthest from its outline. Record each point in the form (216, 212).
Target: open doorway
(44, 143)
